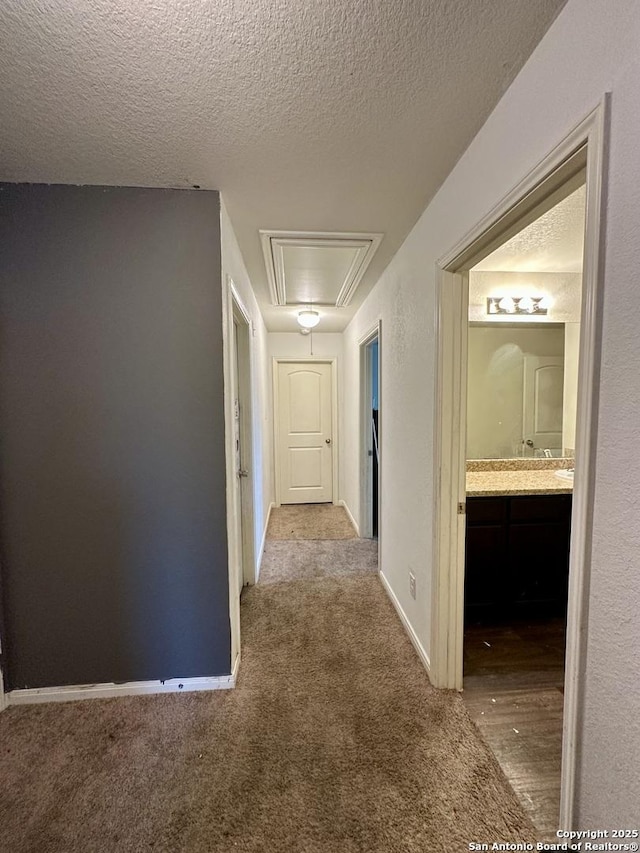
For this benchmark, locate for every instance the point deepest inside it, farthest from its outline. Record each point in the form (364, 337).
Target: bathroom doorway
(522, 368)
(578, 159)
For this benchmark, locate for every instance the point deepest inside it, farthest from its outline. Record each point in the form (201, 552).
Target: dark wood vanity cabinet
(517, 555)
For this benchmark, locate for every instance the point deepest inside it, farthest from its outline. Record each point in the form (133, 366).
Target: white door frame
(583, 151)
(232, 306)
(334, 419)
(366, 484)
(246, 484)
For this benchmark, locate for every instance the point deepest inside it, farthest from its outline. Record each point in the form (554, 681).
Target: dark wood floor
(513, 689)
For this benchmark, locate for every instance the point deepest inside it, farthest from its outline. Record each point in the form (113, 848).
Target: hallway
(332, 740)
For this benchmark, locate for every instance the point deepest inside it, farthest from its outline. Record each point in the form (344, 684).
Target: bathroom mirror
(522, 389)
(524, 332)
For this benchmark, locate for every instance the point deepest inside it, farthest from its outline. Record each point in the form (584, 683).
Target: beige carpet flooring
(303, 559)
(333, 742)
(310, 521)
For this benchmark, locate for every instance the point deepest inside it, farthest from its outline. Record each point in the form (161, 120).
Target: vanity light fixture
(529, 305)
(308, 318)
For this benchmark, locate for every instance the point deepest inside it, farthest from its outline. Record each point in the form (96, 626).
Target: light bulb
(527, 304)
(545, 303)
(507, 304)
(308, 319)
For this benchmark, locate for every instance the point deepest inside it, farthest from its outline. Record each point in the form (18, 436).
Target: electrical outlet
(412, 584)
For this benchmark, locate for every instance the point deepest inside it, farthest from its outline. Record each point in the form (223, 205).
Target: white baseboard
(75, 692)
(424, 657)
(351, 518)
(264, 541)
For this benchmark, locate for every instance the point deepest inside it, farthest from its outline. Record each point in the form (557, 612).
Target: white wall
(317, 345)
(591, 48)
(405, 306)
(233, 266)
(295, 345)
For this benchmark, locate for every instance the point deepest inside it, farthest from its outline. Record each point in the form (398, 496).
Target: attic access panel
(321, 268)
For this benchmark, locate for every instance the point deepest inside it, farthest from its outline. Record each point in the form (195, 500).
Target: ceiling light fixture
(308, 318)
(530, 305)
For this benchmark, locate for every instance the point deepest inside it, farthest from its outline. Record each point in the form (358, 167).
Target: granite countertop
(527, 482)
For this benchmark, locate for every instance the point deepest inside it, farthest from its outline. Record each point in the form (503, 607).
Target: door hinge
(462, 509)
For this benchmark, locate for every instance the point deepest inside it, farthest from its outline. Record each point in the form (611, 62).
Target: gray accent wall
(112, 467)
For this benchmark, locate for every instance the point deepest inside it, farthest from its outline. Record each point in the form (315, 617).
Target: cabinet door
(485, 567)
(538, 555)
(486, 545)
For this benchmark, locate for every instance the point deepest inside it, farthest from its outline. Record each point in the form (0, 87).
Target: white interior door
(305, 440)
(542, 401)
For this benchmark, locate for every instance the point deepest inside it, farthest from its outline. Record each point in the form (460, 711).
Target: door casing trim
(247, 486)
(335, 439)
(232, 304)
(366, 485)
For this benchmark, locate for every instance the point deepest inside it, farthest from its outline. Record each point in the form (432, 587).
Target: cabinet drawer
(531, 508)
(486, 510)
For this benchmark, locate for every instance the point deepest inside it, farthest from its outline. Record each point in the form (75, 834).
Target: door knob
(327, 441)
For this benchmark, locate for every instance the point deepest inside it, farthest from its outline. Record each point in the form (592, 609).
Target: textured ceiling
(331, 115)
(553, 243)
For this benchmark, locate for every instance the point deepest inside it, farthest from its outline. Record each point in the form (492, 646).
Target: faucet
(547, 453)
